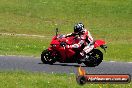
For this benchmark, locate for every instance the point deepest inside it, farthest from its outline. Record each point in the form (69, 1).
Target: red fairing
(70, 53)
(98, 43)
(49, 48)
(70, 40)
(56, 42)
(54, 37)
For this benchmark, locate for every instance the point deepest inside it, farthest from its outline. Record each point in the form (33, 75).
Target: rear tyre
(46, 57)
(95, 58)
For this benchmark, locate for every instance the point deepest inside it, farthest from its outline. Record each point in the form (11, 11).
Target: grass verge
(44, 80)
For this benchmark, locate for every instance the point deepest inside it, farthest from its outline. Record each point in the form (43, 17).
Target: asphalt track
(31, 64)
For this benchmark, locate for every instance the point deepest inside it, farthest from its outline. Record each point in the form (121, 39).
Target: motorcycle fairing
(98, 43)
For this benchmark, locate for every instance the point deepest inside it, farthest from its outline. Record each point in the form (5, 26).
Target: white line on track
(112, 61)
(18, 56)
(27, 35)
(129, 62)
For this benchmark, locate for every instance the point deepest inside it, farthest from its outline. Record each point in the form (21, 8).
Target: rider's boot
(82, 56)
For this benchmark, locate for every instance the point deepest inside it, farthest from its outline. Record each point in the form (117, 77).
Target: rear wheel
(46, 57)
(95, 58)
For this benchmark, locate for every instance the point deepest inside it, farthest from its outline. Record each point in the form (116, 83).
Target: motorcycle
(57, 52)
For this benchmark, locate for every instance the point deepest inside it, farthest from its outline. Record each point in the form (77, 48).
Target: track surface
(31, 64)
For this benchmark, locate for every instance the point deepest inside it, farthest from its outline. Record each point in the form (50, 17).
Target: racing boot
(82, 56)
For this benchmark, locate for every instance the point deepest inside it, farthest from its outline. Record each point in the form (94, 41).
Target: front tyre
(46, 57)
(95, 58)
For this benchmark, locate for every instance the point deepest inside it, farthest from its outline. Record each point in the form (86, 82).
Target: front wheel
(95, 58)
(46, 57)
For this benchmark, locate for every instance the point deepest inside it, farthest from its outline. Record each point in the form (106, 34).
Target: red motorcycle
(57, 52)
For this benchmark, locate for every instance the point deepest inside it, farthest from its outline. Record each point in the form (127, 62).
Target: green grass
(12, 45)
(110, 20)
(44, 80)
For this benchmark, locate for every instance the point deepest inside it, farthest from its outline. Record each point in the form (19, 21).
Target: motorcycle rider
(84, 37)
